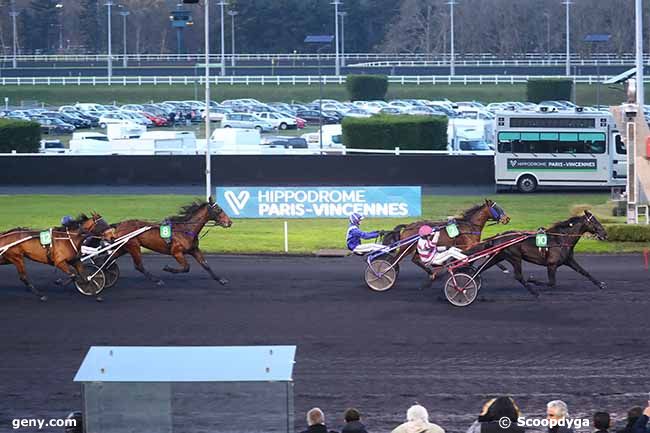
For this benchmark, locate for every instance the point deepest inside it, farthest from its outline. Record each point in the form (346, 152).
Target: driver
(429, 251)
(66, 220)
(355, 235)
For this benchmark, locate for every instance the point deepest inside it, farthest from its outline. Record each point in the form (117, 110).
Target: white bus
(558, 149)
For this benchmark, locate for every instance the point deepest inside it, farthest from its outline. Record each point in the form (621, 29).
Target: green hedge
(538, 90)
(366, 87)
(19, 135)
(628, 233)
(388, 132)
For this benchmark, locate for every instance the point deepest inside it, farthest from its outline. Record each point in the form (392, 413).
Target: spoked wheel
(91, 280)
(111, 274)
(381, 275)
(461, 289)
(471, 270)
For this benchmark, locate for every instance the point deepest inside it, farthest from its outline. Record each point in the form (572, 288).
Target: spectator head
(498, 408)
(417, 413)
(601, 421)
(633, 415)
(351, 414)
(557, 409)
(315, 416)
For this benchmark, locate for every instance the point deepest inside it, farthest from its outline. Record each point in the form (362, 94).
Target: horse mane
(187, 211)
(566, 223)
(469, 213)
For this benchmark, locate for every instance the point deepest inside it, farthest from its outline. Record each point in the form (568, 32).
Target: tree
(40, 25)
(90, 26)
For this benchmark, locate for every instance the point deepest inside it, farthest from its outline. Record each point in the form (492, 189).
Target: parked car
(53, 126)
(286, 142)
(52, 146)
(312, 116)
(278, 120)
(246, 121)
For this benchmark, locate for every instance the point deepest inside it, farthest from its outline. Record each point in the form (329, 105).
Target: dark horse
(63, 252)
(562, 238)
(470, 225)
(185, 237)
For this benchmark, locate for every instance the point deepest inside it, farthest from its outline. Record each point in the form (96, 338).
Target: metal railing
(280, 80)
(494, 63)
(434, 57)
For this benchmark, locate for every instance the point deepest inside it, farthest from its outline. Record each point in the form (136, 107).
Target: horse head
(96, 225)
(217, 214)
(496, 212)
(592, 225)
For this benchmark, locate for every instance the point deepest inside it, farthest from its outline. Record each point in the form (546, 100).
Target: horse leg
(180, 258)
(134, 251)
(503, 268)
(431, 275)
(551, 270)
(22, 274)
(516, 266)
(573, 264)
(198, 256)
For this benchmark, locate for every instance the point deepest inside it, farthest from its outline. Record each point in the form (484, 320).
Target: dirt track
(378, 352)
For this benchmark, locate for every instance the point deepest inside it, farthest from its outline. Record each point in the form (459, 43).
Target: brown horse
(62, 253)
(185, 237)
(470, 226)
(562, 238)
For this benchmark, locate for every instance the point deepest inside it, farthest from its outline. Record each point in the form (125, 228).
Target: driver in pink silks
(429, 251)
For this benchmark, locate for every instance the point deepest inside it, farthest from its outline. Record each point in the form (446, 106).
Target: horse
(562, 238)
(63, 252)
(185, 229)
(470, 226)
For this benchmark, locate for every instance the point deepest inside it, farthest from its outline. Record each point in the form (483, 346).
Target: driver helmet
(356, 218)
(66, 220)
(425, 231)
(78, 426)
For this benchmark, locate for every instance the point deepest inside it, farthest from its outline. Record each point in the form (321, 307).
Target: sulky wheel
(381, 275)
(111, 274)
(471, 270)
(90, 281)
(461, 289)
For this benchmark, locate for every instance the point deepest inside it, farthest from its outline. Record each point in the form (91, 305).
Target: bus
(581, 149)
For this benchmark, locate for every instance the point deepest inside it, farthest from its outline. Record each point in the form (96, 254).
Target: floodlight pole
(223, 4)
(640, 95)
(14, 14)
(208, 165)
(124, 48)
(342, 15)
(109, 4)
(568, 3)
(452, 48)
(336, 4)
(232, 36)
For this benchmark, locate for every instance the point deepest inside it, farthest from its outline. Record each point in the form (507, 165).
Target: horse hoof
(602, 285)
(223, 281)
(505, 271)
(43, 298)
(58, 282)
(99, 299)
(160, 283)
(166, 269)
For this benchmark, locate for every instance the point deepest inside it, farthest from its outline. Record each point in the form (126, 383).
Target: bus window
(621, 149)
(508, 140)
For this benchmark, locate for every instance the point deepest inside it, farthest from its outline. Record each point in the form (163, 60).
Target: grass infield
(249, 236)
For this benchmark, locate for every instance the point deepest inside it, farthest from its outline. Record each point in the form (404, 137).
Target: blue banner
(320, 202)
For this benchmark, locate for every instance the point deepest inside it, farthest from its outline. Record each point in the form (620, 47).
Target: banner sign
(320, 202)
(552, 164)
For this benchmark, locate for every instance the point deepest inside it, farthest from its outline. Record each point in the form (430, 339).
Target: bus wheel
(527, 184)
